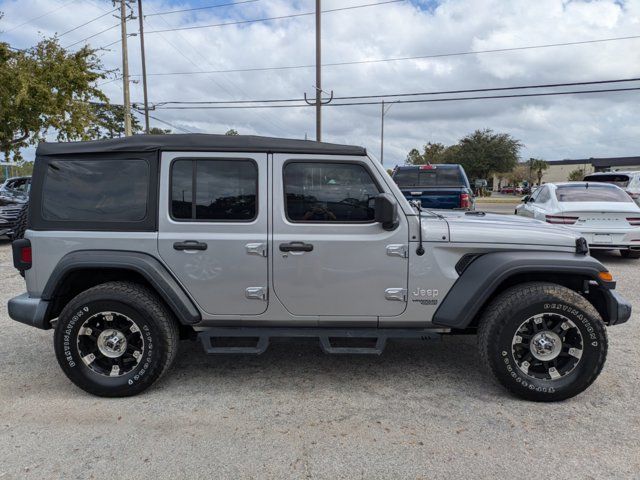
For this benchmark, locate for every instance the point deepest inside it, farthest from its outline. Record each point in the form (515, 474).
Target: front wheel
(115, 339)
(542, 341)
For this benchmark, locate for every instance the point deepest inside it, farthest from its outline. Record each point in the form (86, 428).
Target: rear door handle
(296, 247)
(190, 245)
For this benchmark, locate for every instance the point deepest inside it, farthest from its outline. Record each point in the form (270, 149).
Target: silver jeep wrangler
(133, 244)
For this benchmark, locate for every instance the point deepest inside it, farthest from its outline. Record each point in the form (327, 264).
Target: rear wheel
(115, 339)
(542, 341)
(630, 253)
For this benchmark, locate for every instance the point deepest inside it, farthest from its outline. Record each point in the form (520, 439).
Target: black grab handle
(190, 245)
(296, 247)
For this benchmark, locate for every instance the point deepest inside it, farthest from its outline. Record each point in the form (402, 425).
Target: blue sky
(550, 127)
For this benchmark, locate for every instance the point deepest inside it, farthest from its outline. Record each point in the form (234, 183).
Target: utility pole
(125, 69)
(383, 112)
(318, 73)
(144, 69)
(318, 87)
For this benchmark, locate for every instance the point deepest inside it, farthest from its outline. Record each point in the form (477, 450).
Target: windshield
(436, 177)
(591, 192)
(616, 179)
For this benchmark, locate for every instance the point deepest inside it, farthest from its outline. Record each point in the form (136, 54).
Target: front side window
(544, 195)
(96, 190)
(214, 190)
(329, 192)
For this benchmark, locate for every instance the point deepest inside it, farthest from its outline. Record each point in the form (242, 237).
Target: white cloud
(550, 127)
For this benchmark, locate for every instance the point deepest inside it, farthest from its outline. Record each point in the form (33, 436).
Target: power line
(393, 95)
(274, 121)
(87, 23)
(169, 12)
(94, 35)
(397, 59)
(40, 16)
(268, 19)
(170, 124)
(430, 100)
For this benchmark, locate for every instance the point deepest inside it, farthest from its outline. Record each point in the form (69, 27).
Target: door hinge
(396, 294)
(397, 250)
(259, 293)
(256, 249)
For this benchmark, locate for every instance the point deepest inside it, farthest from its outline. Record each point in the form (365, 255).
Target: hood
(506, 229)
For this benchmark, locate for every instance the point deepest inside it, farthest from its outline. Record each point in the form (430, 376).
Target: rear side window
(434, 177)
(214, 190)
(329, 192)
(96, 190)
(592, 192)
(616, 179)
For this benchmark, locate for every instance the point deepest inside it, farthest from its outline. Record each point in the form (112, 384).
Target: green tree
(109, 122)
(576, 175)
(431, 153)
(159, 131)
(46, 88)
(232, 131)
(484, 153)
(538, 166)
(481, 153)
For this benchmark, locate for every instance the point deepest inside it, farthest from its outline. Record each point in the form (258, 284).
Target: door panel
(341, 264)
(214, 237)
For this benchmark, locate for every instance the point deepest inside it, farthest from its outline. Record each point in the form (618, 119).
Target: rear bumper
(29, 310)
(618, 307)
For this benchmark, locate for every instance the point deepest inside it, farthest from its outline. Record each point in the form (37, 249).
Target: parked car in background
(438, 186)
(511, 190)
(601, 212)
(14, 194)
(628, 181)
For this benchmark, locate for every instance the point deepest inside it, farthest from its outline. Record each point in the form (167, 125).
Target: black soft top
(198, 142)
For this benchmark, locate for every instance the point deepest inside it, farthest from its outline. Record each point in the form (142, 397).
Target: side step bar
(329, 337)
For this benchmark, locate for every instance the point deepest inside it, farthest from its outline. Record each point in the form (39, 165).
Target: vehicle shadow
(415, 367)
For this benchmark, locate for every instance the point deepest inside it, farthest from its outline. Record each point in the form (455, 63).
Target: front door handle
(296, 247)
(190, 245)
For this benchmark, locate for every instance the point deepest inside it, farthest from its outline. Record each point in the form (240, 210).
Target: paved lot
(421, 410)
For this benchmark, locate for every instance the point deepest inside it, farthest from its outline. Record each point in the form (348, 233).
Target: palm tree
(538, 166)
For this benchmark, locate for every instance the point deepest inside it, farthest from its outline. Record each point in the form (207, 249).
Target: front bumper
(30, 311)
(618, 308)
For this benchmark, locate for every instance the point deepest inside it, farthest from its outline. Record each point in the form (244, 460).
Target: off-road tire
(21, 223)
(157, 327)
(629, 254)
(505, 315)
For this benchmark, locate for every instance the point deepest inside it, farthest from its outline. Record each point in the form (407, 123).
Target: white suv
(629, 181)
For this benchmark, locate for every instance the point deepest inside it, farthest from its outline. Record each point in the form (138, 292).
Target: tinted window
(591, 193)
(214, 190)
(435, 177)
(96, 190)
(329, 192)
(616, 179)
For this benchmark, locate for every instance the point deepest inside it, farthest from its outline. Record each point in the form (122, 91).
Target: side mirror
(526, 198)
(386, 211)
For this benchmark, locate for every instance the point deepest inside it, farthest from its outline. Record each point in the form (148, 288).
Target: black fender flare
(149, 267)
(480, 279)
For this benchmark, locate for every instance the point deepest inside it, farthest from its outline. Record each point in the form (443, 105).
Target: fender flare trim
(149, 267)
(479, 281)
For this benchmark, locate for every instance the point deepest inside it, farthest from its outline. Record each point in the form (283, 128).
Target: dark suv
(435, 186)
(14, 194)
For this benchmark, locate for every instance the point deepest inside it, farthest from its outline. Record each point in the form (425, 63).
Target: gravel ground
(421, 410)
